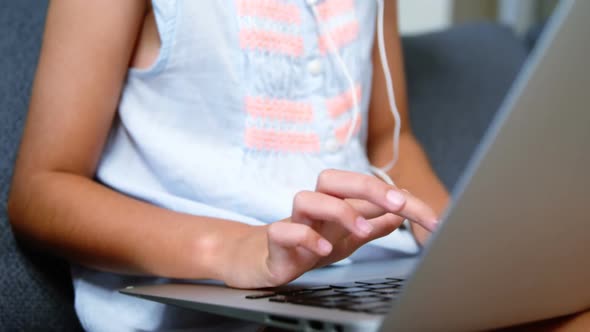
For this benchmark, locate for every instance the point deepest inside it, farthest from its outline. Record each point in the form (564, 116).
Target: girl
(229, 140)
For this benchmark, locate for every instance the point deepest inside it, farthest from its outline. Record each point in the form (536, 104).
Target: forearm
(87, 223)
(55, 205)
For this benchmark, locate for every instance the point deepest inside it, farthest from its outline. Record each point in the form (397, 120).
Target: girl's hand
(346, 211)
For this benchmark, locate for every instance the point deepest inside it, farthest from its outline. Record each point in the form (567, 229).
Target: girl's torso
(245, 104)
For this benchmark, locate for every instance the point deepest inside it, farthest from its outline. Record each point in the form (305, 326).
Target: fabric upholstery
(457, 79)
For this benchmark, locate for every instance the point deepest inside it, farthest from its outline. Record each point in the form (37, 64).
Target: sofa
(457, 79)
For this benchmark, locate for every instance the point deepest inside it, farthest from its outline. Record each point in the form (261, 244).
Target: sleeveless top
(245, 105)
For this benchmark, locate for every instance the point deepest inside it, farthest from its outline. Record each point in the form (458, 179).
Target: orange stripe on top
(342, 131)
(341, 36)
(277, 42)
(332, 8)
(282, 141)
(279, 109)
(271, 9)
(342, 103)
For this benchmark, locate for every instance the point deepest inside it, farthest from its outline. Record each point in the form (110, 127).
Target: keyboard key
(324, 293)
(344, 285)
(374, 281)
(351, 290)
(382, 286)
(260, 296)
(278, 298)
(291, 291)
(361, 294)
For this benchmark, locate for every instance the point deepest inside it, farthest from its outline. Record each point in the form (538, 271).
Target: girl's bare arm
(54, 202)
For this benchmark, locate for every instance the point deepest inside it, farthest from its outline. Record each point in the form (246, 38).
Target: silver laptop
(514, 247)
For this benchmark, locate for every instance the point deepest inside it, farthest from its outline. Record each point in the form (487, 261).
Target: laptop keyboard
(369, 296)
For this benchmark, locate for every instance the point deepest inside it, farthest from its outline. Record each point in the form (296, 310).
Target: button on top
(314, 67)
(332, 145)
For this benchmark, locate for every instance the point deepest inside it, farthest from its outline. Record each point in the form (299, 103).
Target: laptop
(513, 248)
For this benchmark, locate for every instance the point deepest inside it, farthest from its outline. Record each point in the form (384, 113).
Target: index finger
(345, 184)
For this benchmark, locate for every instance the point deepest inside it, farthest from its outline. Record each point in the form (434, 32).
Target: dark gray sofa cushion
(457, 79)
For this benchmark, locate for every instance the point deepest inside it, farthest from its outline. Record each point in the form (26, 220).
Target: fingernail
(396, 198)
(433, 225)
(324, 246)
(363, 225)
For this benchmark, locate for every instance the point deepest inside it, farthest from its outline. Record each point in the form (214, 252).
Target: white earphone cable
(389, 88)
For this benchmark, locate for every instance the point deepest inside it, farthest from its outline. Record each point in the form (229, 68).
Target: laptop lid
(515, 247)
